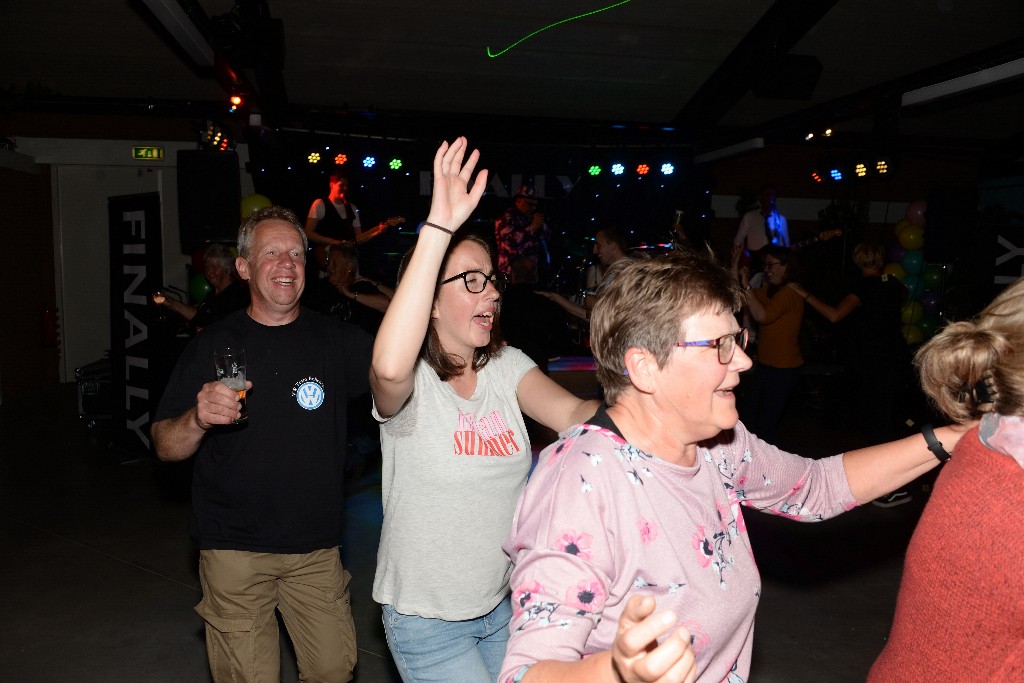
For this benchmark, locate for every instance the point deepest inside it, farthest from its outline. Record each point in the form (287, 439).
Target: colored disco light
(314, 157)
(594, 170)
(643, 169)
(882, 167)
(861, 170)
(836, 174)
(815, 176)
(667, 169)
(395, 164)
(618, 169)
(369, 162)
(340, 159)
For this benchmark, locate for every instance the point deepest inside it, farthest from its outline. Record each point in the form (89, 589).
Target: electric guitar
(320, 250)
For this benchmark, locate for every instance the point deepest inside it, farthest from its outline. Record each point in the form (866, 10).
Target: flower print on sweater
(575, 544)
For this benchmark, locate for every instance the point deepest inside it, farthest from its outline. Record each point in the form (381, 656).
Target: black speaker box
(209, 192)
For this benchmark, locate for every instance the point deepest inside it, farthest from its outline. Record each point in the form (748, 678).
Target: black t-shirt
(275, 483)
(874, 326)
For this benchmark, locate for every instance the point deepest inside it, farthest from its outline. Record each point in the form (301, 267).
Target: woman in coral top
(960, 610)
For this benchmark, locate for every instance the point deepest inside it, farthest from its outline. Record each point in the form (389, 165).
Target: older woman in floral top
(632, 559)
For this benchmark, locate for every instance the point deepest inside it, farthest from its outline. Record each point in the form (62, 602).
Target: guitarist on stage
(334, 220)
(760, 227)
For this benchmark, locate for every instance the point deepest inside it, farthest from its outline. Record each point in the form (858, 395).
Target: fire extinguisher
(49, 327)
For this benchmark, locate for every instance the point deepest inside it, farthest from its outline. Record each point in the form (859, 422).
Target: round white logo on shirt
(309, 395)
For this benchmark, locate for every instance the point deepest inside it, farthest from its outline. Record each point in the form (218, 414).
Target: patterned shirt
(601, 520)
(515, 240)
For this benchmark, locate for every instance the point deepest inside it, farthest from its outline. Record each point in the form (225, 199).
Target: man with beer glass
(267, 483)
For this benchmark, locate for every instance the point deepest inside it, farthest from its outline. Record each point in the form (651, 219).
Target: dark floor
(102, 578)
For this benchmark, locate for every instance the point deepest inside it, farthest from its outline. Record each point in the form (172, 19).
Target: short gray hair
(248, 227)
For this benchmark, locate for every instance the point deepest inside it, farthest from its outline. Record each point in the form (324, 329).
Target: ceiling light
(971, 81)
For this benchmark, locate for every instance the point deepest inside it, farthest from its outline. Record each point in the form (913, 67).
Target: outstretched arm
(878, 470)
(831, 313)
(405, 324)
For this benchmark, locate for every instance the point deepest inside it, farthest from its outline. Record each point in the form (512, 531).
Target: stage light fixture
(340, 159)
(395, 164)
(314, 157)
(836, 174)
(815, 176)
(881, 167)
(236, 102)
(667, 169)
(643, 169)
(594, 170)
(809, 136)
(861, 170)
(618, 169)
(369, 162)
(827, 133)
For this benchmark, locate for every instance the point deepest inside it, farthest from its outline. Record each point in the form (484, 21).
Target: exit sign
(148, 153)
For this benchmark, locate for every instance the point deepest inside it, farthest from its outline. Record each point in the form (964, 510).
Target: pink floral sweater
(601, 521)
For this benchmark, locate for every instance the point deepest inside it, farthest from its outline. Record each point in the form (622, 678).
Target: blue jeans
(448, 651)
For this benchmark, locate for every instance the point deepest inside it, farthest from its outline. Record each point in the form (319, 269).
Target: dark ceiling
(703, 73)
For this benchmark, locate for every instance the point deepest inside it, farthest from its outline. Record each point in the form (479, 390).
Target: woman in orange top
(779, 312)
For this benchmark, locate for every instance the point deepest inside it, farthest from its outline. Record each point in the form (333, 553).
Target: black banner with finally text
(136, 269)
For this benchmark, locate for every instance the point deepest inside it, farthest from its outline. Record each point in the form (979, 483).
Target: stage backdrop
(135, 271)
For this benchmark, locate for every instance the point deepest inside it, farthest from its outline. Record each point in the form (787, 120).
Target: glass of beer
(230, 364)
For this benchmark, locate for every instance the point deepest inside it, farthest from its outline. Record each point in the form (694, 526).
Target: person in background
(347, 294)
(960, 611)
(521, 231)
(760, 228)
(632, 559)
(229, 294)
(878, 360)
(450, 398)
(779, 312)
(267, 494)
(610, 248)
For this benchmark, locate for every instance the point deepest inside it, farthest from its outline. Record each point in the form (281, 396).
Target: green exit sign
(148, 153)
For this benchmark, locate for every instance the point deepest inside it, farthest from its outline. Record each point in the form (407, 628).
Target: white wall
(84, 174)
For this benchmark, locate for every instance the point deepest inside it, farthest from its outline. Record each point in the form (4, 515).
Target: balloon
(198, 287)
(933, 276)
(913, 285)
(251, 203)
(895, 269)
(912, 312)
(928, 324)
(913, 334)
(930, 301)
(900, 225)
(913, 261)
(916, 212)
(912, 237)
(896, 252)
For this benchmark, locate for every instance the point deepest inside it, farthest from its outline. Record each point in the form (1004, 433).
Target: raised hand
(636, 654)
(453, 199)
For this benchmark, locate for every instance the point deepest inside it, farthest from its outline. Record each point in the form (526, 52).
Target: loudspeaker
(209, 193)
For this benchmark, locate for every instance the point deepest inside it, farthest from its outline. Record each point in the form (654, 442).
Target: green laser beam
(563, 21)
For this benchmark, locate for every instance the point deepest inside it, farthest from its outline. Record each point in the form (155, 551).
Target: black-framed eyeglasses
(725, 344)
(476, 281)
